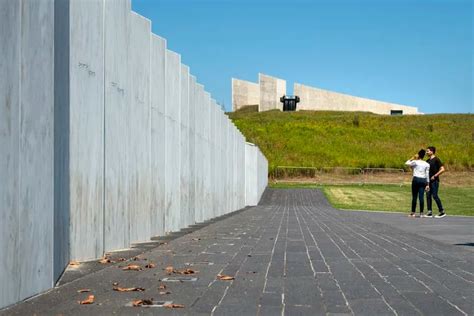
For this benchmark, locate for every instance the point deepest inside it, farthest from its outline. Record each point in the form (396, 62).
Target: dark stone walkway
(291, 255)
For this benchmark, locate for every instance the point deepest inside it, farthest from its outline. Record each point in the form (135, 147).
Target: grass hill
(356, 139)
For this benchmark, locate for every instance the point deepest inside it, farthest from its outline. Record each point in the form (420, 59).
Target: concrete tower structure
(244, 93)
(271, 90)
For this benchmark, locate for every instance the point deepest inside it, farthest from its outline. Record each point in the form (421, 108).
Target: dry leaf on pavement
(74, 263)
(128, 289)
(150, 265)
(142, 302)
(185, 271)
(169, 269)
(105, 260)
(134, 267)
(173, 306)
(162, 286)
(90, 300)
(224, 277)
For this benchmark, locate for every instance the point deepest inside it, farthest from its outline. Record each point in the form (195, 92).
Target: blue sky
(411, 52)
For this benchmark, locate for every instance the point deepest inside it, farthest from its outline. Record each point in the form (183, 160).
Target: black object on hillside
(289, 102)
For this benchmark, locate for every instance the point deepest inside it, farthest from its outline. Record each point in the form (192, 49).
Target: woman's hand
(427, 188)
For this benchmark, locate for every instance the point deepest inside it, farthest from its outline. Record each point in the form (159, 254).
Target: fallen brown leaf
(90, 300)
(137, 302)
(162, 286)
(142, 302)
(185, 271)
(173, 306)
(128, 289)
(121, 259)
(83, 290)
(115, 283)
(196, 239)
(74, 263)
(150, 265)
(224, 277)
(134, 267)
(171, 270)
(105, 260)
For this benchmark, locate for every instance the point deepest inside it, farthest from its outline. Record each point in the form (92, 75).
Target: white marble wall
(184, 220)
(241, 171)
(199, 159)
(230, 169)
(173, 140)
(233, 160)
(218, 160)
(251, 175)
(116, 142)
(262, 171)
(206, 122)
(10, 93)
(256, 174)
(79, 125)
(117, 124)
(158, 139)
(212, 158)
(26, 148)
(139, 169)
(192, 150)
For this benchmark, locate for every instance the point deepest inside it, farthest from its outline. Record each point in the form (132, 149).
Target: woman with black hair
(420, 182)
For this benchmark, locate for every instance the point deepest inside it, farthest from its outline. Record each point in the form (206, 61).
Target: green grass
(356, 139)
(390, 198)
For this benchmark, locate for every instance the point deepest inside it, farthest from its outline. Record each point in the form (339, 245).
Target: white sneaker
(441, 215)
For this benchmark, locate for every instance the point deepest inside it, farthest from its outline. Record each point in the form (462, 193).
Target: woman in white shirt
(420, 182)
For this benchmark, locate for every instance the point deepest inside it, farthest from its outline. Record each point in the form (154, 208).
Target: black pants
(418, 191)
(433, 193)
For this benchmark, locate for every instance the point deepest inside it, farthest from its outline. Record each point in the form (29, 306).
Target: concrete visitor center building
(268, 91)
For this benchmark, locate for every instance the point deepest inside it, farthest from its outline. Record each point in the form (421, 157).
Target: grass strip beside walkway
(390, 198)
